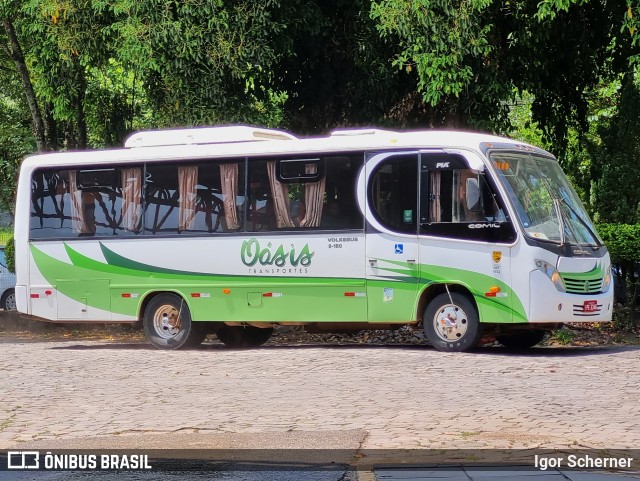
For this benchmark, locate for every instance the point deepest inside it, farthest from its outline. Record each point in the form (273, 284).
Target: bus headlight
(551, 272)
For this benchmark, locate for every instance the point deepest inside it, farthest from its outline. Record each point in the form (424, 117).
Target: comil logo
(23, 460)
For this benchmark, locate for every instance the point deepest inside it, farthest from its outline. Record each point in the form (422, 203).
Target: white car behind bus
(7, 285)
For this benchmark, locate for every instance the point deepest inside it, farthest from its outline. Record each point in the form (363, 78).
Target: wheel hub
(167, 322)
(450, 323)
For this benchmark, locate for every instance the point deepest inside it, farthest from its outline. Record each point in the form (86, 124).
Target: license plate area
(590, 306)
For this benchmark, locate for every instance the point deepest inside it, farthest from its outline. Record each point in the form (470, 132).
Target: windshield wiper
(594, 236)
(558, 209)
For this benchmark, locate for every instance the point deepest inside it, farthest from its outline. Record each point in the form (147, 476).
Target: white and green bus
(236, 230)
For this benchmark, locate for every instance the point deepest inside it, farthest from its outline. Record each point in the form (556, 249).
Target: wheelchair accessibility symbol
(399, 248)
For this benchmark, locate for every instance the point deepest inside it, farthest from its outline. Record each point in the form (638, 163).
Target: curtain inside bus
(229, 187)
(313, 198)
(187, 187)
(131, 198)
(280, 195)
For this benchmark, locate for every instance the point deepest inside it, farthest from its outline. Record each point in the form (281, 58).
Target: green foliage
(549, 9)
(473, 58)
(563, 336)
(451, 51)
(16, 139)
(10, 254)
(578, 158)
(200, 61)
(115, 104)
(615, 170)
(622, 241)
(5, 234)
(624, 314)
(60, 40)
(439, 38)
(631, 22)
(522, 125)
(336, 70)
(103, 68)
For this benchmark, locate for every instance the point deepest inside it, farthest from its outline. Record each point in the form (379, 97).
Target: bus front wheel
(243, 336)
(168, 325)
(451, 323)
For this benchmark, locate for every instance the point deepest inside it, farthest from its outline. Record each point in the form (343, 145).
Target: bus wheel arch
(167, 322)
(451, 318)
(431, 291)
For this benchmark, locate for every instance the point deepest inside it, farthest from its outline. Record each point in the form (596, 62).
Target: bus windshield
(547, 206)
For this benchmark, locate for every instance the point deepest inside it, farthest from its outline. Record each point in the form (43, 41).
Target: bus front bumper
(547, 304)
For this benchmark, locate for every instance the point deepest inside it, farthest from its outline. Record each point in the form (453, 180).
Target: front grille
(583, 286)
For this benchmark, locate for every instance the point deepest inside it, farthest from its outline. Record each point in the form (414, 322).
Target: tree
(444, 42)
(64, 41)
(200, 62)
(16, 137)
(12, 50)
(615, 173)
(336, 71)
(477, 55)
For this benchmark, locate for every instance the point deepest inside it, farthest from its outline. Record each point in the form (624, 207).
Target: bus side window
(393, 193)
(461, 196)
(309, 193)
(333, 216)
(189, 199)
(340, 208)
(461, 204)
(260, 215)
(106, 202)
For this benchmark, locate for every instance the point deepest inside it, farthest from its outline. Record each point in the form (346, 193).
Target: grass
(5, 235)
(563, 336)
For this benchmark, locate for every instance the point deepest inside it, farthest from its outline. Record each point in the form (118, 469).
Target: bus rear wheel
(522, 339)
(243, 336)
(168, 325)
(451, 323)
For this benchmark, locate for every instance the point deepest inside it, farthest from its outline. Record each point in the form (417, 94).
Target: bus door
(465, 231)
(392, 255)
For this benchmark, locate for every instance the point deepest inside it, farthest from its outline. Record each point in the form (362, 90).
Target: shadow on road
(14, 329)
(570, 351)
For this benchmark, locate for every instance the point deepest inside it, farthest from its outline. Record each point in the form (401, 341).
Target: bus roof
(205, 135)
(241, 141)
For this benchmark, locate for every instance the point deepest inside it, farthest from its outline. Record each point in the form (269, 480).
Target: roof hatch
(205, 135)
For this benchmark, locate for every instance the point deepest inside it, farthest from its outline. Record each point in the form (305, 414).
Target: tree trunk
(15, 52)
(50, 127)
(81, 121)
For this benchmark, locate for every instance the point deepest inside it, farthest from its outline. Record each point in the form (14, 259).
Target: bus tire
(522, 339)
(243, 336)
(168, 325)
(8, 302)
(452, 323)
